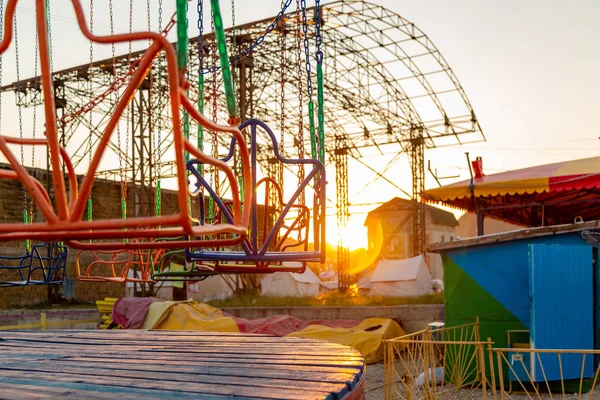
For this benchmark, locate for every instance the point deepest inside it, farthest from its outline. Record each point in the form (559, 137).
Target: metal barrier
(453, 362)
(540, 373)
(436, 364)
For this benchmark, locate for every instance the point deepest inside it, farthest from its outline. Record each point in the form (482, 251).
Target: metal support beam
(417, 164)
(142, 155)
(341, 183)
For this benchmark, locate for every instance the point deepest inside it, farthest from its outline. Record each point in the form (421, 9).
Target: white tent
(290, 284)
(365, 282)
(402, 278)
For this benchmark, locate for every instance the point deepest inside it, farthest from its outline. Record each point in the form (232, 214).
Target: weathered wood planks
(174, 364)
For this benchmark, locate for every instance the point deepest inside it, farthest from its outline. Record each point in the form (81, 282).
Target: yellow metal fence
(453, 363)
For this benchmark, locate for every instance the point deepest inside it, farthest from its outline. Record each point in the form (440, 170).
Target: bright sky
(529, 70)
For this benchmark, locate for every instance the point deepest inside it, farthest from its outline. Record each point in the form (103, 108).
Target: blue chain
(244, 53)
(319, 54)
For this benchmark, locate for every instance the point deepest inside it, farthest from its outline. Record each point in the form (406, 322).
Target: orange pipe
(67, 224)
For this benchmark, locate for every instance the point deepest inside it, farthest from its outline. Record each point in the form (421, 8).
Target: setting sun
(355, 234)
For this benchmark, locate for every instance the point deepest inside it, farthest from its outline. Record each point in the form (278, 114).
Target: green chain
(311, 124)
(182, 38)
(320, 112)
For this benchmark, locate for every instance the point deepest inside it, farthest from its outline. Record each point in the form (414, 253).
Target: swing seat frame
(118, 263)
(66, 223)
(267, 253)
(51, 267)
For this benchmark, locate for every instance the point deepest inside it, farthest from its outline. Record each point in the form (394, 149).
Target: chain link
(20, 112)
(319, 54)
(200, 24)
(34, 118)
(49, 20)
(160, 12)
(244, 53)
(236, 48)
(158, 195)
(300, 142)
(215, 141)
(1, 58)
(116, 95)
(282, 99)
(306, 49)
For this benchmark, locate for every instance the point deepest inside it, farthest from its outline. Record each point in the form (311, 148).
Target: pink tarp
(131, 311)
(283, 325)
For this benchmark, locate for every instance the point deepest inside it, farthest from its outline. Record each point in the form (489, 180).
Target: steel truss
(386, 85)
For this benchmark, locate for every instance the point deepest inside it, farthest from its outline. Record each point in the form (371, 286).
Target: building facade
(396, 219)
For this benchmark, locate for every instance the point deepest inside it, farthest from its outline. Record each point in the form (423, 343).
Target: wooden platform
(135, 364)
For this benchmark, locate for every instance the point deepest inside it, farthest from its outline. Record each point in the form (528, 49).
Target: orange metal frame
(66, 224)
(118, 266)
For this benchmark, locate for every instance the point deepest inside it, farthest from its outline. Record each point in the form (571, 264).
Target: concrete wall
(411, 317)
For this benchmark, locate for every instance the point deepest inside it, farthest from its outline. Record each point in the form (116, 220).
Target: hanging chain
(319, 54)
(90, 78)
(20, 116)
(236, 47)
(154, 114)
(34, 118)
(160, 11)
(244, 53)
(49, 20)
(119, 141)
(320, 85)
(306, 49)
(282, 100)
(200, 25)
(214, 110)
(1, 58)
(300, 143)
(158, 199)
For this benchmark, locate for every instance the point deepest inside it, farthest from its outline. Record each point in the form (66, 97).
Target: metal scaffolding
(387, 87)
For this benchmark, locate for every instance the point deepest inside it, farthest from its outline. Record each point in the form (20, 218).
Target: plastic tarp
(367, 337)
(401, 278)
(195, 317)
(130, 312)
(291, 284)
(283, 325)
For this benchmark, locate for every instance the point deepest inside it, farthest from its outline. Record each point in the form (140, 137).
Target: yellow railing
(453, 363)
(436, 363)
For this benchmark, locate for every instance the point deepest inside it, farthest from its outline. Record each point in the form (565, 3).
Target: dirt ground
(374, 384)
(374, 390)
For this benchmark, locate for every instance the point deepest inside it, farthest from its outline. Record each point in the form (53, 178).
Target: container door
(561, 311)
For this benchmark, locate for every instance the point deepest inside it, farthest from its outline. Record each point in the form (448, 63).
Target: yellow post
(492, 370)
(43, 321)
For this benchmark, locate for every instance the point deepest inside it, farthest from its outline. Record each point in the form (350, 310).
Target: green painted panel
(465, 300)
